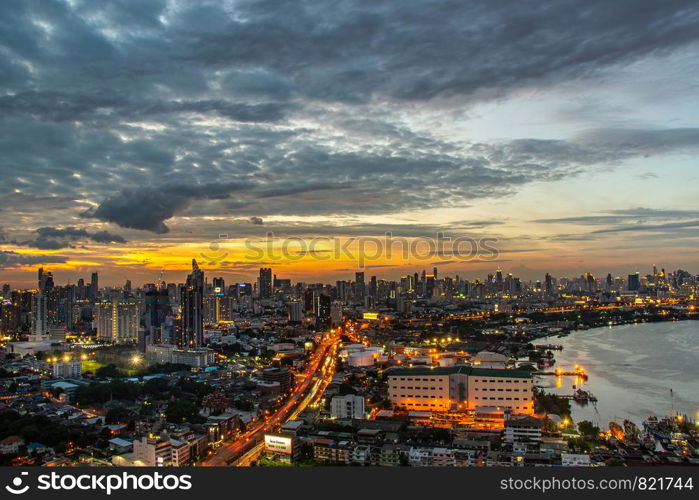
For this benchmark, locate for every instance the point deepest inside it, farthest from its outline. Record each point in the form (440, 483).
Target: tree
(109, 371)
(216, 402)
(182, 410)
(156, 386)
(120, 415)
(587, 429)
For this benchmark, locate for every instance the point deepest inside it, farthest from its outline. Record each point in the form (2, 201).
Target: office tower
(157, 302)
(308, 304)
(336, 313)
(295, 312)
(219, 285)
(322, 311)
(548, 284)
(373, 289)
(39, 308)
(80, 292)
(429, 286)
(359, 286)
(40, 328)
(434, 272)
(93, 290)
(264, 284)
(634, 282)
(341, 287)
(192, 303)
(608, 284)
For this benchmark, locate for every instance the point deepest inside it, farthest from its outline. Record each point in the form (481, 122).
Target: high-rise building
(359, 287)
(40, 328)
(429, 286)
(295, 312)
(117, 321)
(264, 284)
(219, 285)
(336, 313)
(157, 302)
(192, 303)
(548, 280)
(634, 282)
(93, 291)
(322, 310)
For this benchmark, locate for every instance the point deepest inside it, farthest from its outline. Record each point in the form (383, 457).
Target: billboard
(370, 315)
(278, 444)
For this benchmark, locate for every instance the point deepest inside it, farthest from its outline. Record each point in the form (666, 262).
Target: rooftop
(461, 369)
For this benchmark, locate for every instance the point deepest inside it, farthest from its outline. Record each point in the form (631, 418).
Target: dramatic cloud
(173, 117)
(10, 259)
(51, 238)
(147, 208)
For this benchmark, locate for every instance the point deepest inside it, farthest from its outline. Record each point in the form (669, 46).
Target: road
(318, 374)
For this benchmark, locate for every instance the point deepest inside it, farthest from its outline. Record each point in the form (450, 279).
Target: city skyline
(575, 149)
(212, 277)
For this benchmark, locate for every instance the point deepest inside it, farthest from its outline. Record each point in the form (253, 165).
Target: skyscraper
(323, 311)
(39, 317)
(359, 286)
(264, 285)
(634, 282)
(40, 325)
(93, 290)
(192, 301)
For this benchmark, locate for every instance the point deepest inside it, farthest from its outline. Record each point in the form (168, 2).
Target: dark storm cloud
(10, 259)
(421, 49)
(61, 107)
(257, 221)
(148, 208)
(152, 110)
(52, 238)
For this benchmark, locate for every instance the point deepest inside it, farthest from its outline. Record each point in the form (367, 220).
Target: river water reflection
(634, 370)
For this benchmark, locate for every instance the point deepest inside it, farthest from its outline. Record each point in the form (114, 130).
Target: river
(635, 370)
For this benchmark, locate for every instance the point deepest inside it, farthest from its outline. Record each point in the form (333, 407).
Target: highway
(318, 374)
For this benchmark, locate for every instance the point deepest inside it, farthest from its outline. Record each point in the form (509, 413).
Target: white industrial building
(460, 387)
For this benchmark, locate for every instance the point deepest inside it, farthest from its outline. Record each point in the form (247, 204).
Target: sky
(136, 135)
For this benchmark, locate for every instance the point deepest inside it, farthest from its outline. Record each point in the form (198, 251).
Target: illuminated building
(117, 321)
(39, 317)
(66, 369)
(192, 303)
(460, 387)
(322, 311)
(264, 284)
(336, 313)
